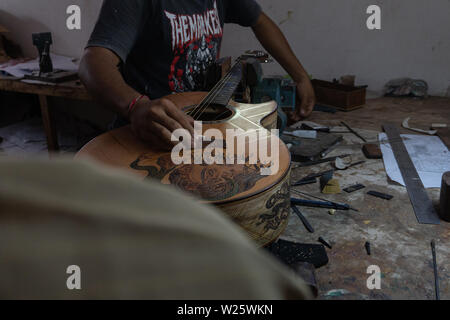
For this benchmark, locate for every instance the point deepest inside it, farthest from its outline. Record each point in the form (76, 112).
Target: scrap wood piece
(332, 187)
(372, 151)
(328, 185)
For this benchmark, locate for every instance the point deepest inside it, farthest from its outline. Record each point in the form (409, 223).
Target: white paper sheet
(428, 153)
(22, 69)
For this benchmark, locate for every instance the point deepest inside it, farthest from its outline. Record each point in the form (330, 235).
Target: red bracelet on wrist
(134, 102)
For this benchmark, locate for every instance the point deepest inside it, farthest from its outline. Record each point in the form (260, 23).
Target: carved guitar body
(260, 204)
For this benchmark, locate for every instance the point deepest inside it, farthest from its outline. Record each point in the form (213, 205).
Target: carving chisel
(320, 204)
(303, 219)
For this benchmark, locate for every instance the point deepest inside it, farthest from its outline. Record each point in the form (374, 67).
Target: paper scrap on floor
(429, 155)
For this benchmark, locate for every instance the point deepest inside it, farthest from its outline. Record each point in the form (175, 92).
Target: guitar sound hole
(213, 113)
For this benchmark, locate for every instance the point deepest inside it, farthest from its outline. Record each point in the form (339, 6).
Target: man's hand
(305, 100)
(155, 121)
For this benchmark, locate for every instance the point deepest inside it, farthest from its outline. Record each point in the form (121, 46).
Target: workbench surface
(400, 246)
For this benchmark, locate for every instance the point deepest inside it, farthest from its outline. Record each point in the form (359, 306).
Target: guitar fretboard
(223, 93)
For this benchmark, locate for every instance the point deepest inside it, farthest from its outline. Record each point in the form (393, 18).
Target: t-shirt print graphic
(196, 43)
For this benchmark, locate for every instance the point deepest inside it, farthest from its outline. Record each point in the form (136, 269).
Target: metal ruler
(423, 207)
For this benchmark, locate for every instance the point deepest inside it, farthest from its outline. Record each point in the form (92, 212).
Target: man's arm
(153, 121)
(99, 72)
(273, 40)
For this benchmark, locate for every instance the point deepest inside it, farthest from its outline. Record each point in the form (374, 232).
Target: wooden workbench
(400, 246)
(69, 90)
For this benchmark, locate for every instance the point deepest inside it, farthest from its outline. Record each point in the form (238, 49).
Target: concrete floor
(400, 246)
(27, 137)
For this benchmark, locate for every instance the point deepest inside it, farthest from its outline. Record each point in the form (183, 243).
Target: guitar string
(213, 94)
(207, 97)
(217, 90)
(212, 90)
(210, 98)
(197, 110)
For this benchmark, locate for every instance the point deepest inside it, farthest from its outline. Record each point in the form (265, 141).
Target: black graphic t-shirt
(166, 44)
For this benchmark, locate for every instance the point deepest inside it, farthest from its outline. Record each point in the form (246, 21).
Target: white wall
(329, 36)
(24, 17)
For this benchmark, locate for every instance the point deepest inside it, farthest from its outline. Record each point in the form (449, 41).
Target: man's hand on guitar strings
(155, 121)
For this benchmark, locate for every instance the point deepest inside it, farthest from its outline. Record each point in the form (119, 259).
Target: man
(143, 50)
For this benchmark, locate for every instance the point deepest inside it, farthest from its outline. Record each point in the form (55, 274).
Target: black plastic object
(354, 188)
(42, 41)
(380, 195)
(325, 243)
(292, 253)
(367, 246)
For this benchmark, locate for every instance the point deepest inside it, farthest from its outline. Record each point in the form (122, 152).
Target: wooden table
(70, 90)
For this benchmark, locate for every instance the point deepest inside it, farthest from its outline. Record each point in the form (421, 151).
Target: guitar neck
(223, 91)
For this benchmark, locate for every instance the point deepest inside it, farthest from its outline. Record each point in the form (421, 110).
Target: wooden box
(340, 96)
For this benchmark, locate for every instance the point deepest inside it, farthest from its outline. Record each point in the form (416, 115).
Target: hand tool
(353, 131)
(312, 176)
(312, 163)
(303, 219)
(304, 182)
(321, 199)
(436, 277)
(314, 126)
(320, 204)
(423, 206)
(380, 195)
(325, 243)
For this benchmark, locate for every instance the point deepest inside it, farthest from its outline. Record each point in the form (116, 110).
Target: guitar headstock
(259, 55)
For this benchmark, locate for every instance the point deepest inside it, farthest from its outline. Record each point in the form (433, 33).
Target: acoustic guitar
(259, 203)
